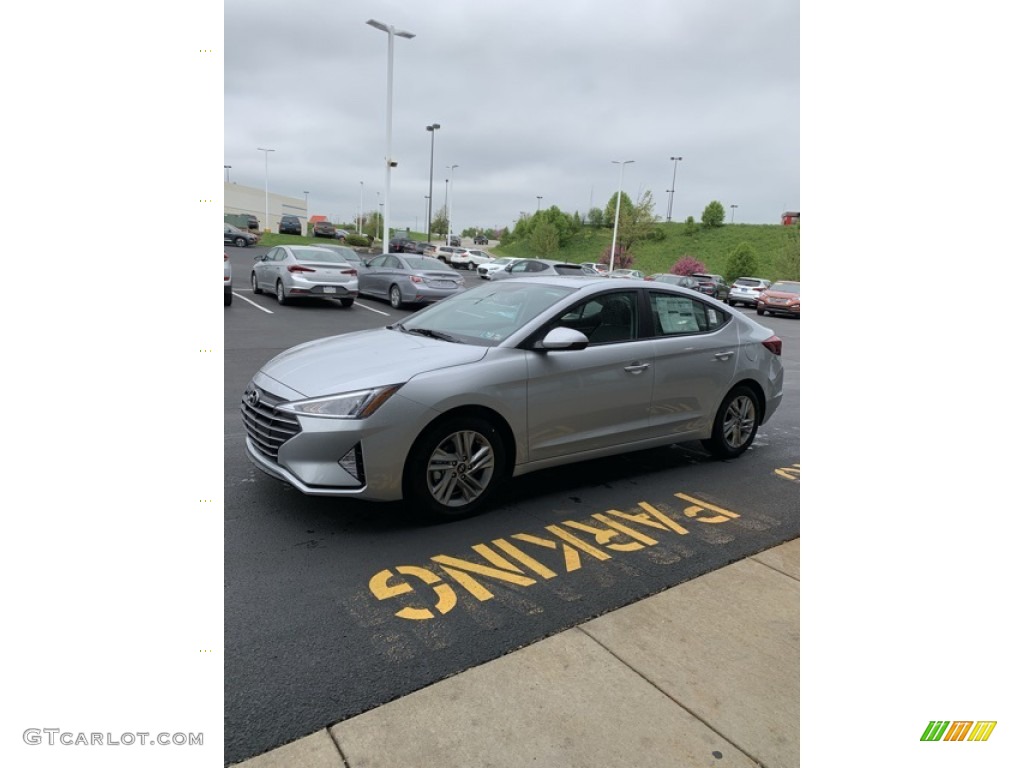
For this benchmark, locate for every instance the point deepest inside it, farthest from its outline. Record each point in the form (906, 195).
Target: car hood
(779, 294)
(364, 359)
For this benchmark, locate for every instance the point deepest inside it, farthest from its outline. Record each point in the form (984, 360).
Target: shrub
(688, 265)
(623, 259)
(742, 262)
(714, 214)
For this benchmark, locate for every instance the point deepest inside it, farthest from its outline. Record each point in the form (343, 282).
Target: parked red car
(782, 298)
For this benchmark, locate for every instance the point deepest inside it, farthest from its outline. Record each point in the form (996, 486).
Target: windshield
(786, 287)
(421, 262)
(319, 254)
(485, 315)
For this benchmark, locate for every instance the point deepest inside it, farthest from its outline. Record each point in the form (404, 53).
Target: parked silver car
(745, 290)
(305, 271)
(348, 254)
(505, 379)
(470, 258)
(409, 279)
(227, 281)
(538, 268)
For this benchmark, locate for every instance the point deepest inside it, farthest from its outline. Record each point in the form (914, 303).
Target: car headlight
(348, 405)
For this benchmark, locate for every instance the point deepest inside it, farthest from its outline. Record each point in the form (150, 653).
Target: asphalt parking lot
(308, 640)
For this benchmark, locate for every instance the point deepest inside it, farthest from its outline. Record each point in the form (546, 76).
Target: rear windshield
(425, 263)
(744, 281)
(322, 255)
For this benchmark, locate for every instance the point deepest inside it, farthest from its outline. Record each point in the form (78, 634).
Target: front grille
(267, 426)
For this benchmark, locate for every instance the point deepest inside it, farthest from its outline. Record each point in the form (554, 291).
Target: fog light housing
(352, 462)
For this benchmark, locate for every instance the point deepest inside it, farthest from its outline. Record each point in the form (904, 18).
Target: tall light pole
(452, 204)
(380, 215)
(227, 173)
(672, 192)
(388, 162)
(733, 219)
(430, 197)
(266, 184)
(618, 202)
(360, 227)
(539, 198)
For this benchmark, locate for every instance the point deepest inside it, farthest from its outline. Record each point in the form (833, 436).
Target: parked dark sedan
(402, 245)
(239, 237)
(713, 285)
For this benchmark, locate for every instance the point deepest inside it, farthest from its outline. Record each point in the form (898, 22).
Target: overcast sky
(533, 98)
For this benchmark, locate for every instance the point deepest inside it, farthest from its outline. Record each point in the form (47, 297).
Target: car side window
(392, 262)
(603, 319)
(681, 315)
(377, 261)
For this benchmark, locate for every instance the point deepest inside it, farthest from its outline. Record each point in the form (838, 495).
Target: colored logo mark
(958, 730)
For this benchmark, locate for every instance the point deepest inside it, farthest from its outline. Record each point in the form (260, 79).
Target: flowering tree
(688, 265)
(623, 258)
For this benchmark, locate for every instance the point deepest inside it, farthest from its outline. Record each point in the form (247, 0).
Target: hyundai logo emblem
(252, 397)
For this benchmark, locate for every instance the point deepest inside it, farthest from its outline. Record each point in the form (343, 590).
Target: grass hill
(776, 248)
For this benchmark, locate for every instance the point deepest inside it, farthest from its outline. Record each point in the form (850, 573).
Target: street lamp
(266, 182)
(380, 215)
(618, 202)
(733, 219)
(539, 198)
(672, 192)
(227, 173)
(452, 204)
(430, 197)
(388, 162)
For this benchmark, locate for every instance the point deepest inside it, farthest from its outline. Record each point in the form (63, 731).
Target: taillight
(294, 268)
(416, 278)
(349, 272)
(773, 345)
(225, 257)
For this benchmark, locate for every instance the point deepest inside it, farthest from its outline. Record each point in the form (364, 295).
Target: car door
(695, 359)
(259, 268)
(377, 276)
(594, 398)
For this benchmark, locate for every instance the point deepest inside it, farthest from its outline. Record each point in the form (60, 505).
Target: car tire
(346, 303)
(241, 242)
(395, 297)
(228, 296)
(467, 454)
(279, 292)
(735, 424)
(760, 311)
(471, 266)
(255, 284)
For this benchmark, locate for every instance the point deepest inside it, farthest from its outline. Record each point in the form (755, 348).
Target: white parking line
(372, 309)
(253, 303)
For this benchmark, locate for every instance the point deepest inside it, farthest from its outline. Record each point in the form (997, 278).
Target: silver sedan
(305, 271)
(409, 279)
(540, 268)
(509, 378)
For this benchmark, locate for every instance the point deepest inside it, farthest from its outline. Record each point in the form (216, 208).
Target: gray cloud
(534, 98)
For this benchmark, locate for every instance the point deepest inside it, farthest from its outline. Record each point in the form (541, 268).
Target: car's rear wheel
(255, 284)
(455, 466)
(735, 424)
(241, 242)
(347, 302)
(227, 298)
(282, 299)
(760, 311)
(471, 266)
(395, 297)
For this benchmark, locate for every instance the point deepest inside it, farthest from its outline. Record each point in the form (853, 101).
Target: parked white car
(470, 259)
(486, 270)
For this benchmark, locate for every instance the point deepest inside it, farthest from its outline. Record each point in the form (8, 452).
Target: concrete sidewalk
(704, 674)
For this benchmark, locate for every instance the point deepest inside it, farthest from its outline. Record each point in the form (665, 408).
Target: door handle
(637, 367)
(723, 355)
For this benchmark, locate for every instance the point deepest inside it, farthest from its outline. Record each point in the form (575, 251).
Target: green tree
(690, 226)
(440, 222)
(544, 239)
(595, 218)
(625, 210)
(742, 262)
(638, 223)
(714, 215)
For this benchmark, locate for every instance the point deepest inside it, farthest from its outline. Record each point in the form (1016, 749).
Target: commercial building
(242, 199)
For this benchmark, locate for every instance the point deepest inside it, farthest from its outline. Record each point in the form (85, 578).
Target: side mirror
(564, 338)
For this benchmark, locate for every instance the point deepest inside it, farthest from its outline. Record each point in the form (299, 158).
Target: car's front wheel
(255, 284)
(282, 298)
(735, 424)
(455, 466)
(395, 297)
(241, 242)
